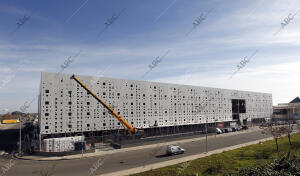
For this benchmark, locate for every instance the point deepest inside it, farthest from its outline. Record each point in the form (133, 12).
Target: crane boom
(119, 117)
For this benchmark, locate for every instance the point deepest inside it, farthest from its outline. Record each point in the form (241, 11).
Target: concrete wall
(65, 105)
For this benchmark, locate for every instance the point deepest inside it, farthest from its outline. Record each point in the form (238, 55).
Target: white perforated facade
(65, 105)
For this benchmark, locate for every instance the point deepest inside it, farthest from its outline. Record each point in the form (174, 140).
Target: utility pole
(216, 127)
(239, 111)
(40, 142)
(20, 139)
(290, 121)
(206, 135)
(206, 129)
(81, 139)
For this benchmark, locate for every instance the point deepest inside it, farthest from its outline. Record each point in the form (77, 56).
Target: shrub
(285, 166)
(214, 166)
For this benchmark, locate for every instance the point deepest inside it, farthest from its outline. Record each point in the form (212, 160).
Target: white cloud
(12, 10)
(206, 58)
(279, 79)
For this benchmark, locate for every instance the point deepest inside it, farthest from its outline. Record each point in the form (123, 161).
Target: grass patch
(231, 161)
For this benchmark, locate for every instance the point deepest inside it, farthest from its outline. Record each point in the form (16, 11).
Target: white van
(173, 149)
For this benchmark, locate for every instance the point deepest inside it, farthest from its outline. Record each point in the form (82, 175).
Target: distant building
(287, 110)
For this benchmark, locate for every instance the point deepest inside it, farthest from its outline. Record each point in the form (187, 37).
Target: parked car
(224, 130)
(239, 128)
(214, 130)
(263, 124)
(218, 131)
(234, 129)
(229, 129)
(280, 123)
(244, 127)
(174, 149)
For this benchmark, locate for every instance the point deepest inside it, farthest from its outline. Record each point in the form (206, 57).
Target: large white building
(64, 106)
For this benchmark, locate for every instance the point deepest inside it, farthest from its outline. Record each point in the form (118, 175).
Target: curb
(102, 153)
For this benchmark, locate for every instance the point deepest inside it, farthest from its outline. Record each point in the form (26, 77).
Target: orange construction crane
(119, 117)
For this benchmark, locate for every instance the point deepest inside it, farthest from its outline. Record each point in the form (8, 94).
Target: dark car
(244, 127)
(234, 129)
(224, 130)
(239, 128)
(264, 124)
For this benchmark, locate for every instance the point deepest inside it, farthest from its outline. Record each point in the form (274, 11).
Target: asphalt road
(124, 160)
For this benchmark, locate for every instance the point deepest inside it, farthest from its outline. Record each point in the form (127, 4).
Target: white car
(173, 149)
(218, 131)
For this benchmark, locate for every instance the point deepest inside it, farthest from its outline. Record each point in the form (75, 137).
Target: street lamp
(82, 135)
(206, 121)
(216, 127)
(206, 135)
(20, 139)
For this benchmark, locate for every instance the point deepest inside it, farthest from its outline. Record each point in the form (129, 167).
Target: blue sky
(145, 30)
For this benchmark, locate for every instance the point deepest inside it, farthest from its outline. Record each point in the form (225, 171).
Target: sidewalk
(102, 153)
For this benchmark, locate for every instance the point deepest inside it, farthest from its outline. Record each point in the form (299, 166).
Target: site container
(10, 121)
(63, 144)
